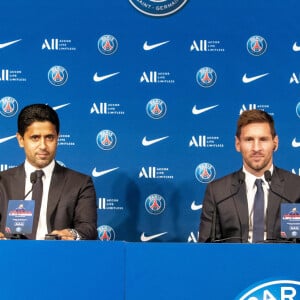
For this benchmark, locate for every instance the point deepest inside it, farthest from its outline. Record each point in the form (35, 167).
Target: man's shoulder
(12, 171)
(284, 174)
(69, 172)
(229, 178)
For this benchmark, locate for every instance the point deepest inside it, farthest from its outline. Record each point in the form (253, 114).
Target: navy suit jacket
(71, 199)
(225, 207)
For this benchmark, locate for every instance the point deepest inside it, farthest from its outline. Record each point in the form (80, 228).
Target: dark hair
(39, 113)
(255, 116)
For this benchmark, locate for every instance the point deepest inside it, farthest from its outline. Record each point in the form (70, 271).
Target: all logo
(57, 75)
(155, 172)
(158, 8)
(206, 46)
(205, 141)
(157, 77)
(56, 44)
(205, 172)
(9, 106)
(105, 108)
(106, 139)
(156, 108)
(256, 45)
(155, 204)
(107, 44)
(206, 77)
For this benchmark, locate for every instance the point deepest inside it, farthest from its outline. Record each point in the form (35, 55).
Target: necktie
(37, 193)
(258, 213)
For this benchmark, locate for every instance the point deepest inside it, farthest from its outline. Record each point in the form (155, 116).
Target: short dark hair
(255, 116)
(39, 113)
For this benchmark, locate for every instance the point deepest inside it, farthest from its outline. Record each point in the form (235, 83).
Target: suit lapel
(55, 190)
(241, 204)
(18, 188)
(274, 201)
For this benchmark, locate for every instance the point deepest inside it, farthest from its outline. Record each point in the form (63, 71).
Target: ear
(237, 144)
(276, 142)
(20, 140)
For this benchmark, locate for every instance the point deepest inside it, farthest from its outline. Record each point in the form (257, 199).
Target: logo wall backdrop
(149, 93)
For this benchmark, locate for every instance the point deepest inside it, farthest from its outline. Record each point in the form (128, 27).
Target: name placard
(290, 220)
(19, 216)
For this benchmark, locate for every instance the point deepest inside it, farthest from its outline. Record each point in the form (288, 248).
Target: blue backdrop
(149, 93)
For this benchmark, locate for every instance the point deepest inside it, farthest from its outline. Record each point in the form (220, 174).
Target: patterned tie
(37, 194)
(258, 213)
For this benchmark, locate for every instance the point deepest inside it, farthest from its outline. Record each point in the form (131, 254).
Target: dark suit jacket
(225, 207)
(71, 199)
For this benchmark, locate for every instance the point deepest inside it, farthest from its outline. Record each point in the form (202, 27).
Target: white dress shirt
(251, 191)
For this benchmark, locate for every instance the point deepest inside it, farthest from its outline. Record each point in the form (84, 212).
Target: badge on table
(290, 220)
(19, 216)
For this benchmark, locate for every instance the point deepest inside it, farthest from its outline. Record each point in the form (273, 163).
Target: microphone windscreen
(33, 177)
(241, 177)
(268, 176)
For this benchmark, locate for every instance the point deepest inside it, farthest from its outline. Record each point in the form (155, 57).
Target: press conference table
(121, 270)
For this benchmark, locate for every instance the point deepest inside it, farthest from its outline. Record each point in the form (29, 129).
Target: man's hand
(2, 236)
(65, 234)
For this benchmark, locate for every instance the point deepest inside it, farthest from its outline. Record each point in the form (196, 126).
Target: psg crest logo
(158, 8)
(298, 110)
(206, 77)
(256, 45)
(155, 204)
(106, 233)
(57, 75)
(156, 108)
(106, 139)
(107, 44)
(9, 106)
(205, 172)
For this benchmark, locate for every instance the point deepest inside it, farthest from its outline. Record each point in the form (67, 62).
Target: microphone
(33, 179)
(214, 221)
(268, 178)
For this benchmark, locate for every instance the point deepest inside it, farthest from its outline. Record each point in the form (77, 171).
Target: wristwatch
(75, 234)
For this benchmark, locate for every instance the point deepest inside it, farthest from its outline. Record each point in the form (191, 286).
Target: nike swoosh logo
(60, 106)
(147, 47)
(101, 78)
(3, 45)
(196, 111)
(251, 79)
(146, 142)
(296, 48)
(295, 144)
(150, 237)
(194, 206)
(3, 140)
(95, 173)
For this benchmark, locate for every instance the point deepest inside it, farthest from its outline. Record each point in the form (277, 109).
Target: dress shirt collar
(250, 178)
(47, 170)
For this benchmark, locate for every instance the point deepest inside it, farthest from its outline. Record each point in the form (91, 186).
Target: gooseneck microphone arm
(268, 178)
(214, 217)
(33, 179)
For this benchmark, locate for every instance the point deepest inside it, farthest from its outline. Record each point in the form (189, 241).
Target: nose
(256, 145)
(42, 143)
